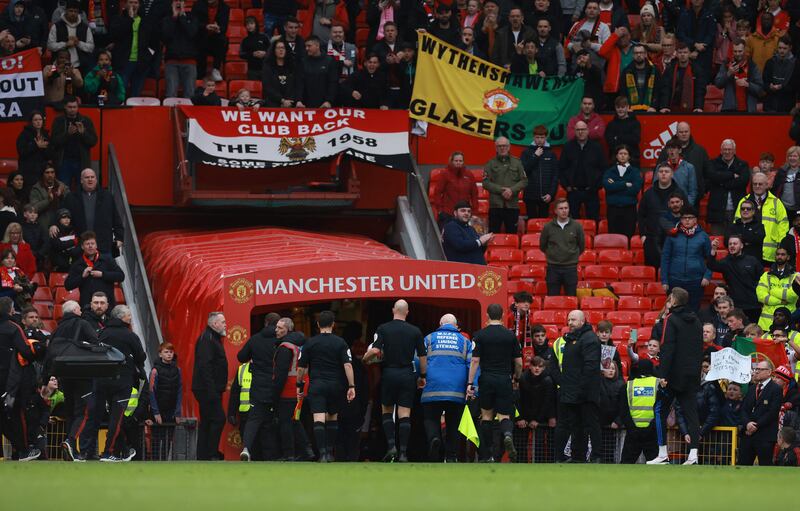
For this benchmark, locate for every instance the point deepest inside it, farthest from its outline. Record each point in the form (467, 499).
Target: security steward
(498, 354)
(259, 350)
(637, 406)
(327, 359)
(448, 357)
(294, 442)
(395, 344)
(579, 391)
(116, 392)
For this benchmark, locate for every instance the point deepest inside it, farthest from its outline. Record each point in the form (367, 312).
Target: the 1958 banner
(21, 85)
(266, 138)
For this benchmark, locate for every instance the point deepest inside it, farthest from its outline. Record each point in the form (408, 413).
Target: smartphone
(634, 335)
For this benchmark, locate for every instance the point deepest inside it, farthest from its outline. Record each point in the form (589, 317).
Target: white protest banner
(728, 364)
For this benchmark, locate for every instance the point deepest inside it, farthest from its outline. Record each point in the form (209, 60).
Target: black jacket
(547, 56)
(90, 285)
(178, 35)
(200, 12)
(652, 207)
(763, 412)
(580, 367)
(283, 360)
(166, 380)
(281, 82)
(71, 327)
(626, 131)
(667, 94)
(254, 41)
(60, 138)
(582, 167)
(752, 234)
(681, 350)
(723, 180)
(12, 342)
(788, 243)
(32, 159)
(119, 335)
(536, 397)
(122, 34)
(259, 350)
(610, 410)
(320, 81)
(542, 172)
(64, 248)
(210, 373)
(107, 222)
(592, 82)
(780, 183)
(97, 322)
(741, 273)
(373, 88)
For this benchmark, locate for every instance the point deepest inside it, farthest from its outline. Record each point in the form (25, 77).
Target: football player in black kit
(327, 358)
(395, 343)
(498, 354)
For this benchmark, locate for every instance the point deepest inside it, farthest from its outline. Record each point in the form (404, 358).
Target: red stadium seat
(649, 318)
(631, 318)
(644, 332)
(362, 34)
(601, 272)
(636, 303)
(553, 333)
(483, 207)
(560, 303)
(38, 278)
(611, 241)
(638, 273)
(658, 302)
(236, 33)
(62, 295)
(589, 241)
(589, 226)
(258, 14)
(540, 287)
(119, 296)
(236, 16)
(594, 316)
(526, 272)
(49, 325)
(603, 303)
(530, 240)
(43, 294)
(233, 53)
(621, 333)
(477, 175)
(57, 279)
(628, 288)
(535, 255)
(44, 311)
(503, 255)
(515, 286)
(636, 242)
(654, 289)
(254, 86)
(505, 240)
(150, 88)
(236, 70)
(614, 256)
(550, 317)
(588, 257)
(536, 224)
(602, 227)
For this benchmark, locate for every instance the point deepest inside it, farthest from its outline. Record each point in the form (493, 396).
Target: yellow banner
(456, 90)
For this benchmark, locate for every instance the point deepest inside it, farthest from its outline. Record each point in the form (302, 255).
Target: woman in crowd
(282, 78)
(47, 195)
(13, 281)
(22, 251)
(33, 149)
(622, 183)
(19, 192)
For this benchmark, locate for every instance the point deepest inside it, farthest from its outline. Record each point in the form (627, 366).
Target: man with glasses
(759, 421)
(504, 177)
(683, 258)
(771, 212)
(750, 229)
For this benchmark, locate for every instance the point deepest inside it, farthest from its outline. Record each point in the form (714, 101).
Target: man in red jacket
(454, 185)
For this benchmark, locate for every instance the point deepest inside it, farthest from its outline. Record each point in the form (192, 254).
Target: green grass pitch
(195, 486)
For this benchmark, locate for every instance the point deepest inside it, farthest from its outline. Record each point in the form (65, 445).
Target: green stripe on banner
(550, 101)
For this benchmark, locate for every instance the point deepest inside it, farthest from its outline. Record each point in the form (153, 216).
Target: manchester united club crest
(237, 335)
(297, 149)
(241, 290)
(499, 101)
(235, 439)
(489, 283)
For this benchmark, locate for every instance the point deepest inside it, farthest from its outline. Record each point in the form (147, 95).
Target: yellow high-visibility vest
(642, 399)
(245, 378)
(133, 402)
(558, 349)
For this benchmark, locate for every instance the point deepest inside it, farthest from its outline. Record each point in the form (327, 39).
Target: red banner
(21, 85)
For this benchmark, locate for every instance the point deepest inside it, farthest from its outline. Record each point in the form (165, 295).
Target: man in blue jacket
(460, 241)
(449, 354)
(683, 259)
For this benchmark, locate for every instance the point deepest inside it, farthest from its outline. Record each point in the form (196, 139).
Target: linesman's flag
(467, 427)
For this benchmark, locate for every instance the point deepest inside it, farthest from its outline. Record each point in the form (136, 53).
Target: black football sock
(388, 430)
(505, 427)
(405, 432)
(332, 433)
(319, 436)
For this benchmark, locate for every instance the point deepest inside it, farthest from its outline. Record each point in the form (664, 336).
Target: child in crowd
(788, 451)
(64, 246)
(35, 234)
(243, 100)
(604, 329)
(165, 391)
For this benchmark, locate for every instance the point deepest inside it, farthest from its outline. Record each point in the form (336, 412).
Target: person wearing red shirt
(22, 250)
(455, 184)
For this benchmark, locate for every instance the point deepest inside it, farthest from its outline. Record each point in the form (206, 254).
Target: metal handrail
(136, 275)
(423, 213)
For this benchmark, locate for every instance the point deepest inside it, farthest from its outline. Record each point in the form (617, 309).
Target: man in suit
(680, 359)
(759, 420)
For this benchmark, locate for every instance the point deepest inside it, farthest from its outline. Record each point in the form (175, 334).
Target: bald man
(581, 167)
(394, 344)
(579, 396)
(449, 355)
(504, 177)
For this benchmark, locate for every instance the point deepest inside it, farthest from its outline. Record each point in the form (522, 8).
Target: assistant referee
(397, 341)
(328, 360)
(498, 354)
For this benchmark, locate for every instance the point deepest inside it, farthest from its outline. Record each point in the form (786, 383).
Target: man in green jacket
(562, 242)
(504, 177)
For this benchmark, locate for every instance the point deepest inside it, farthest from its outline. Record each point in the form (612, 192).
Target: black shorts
(495, 393)
(398, 387)
(326, 396)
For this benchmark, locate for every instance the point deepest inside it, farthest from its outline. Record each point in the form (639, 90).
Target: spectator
(639, 82)
(8, 45)
(537, 399)
(14, 283)
(562, 242)
(604, 330)
(743, 31)
(524, 61)
(786, 185)
(732, 406)
(668, 52)
(727, 180)
(726, 34)
(367, 87)
(460, 241)
(381, 13)
(595, 123)
(541, 169)
(771, 212)
(295, 43)
(550, 51)
(73, 34)
(504, 177)
(542, 349)
(103, 85)
(73, 137)
(320, 17)
(781, 78)
(35, 234)
(64, 249)
(344, 54)
(611, 387)
(33, 149)
(93, 272)
(622, 183)
(571, 12)
(709, 340)
(539, 10)
(207, 94)
(588, 32)
(762, 44)
(695, 154)
(277, 13)
(697, 29)
(282, 79)
(16, 194)
(655, 204)
(759, 421)
(509, 37)
(591, 75)
(649, 34)
(741, 82)
(737, 323)
(741, 272)
(792, 239)
(165, 383)
(61, 80)
(444, 27)
(254, 48)
(766, 164)
(212, 17)
(468, 43)
(320, 77)
(683, 84)
(47, 194)
(390, 54)
(776, 288)
(624, 129)
(469, 17)
(612, 14)
(581, 168)
(178, 33)
(788, 450)
(618, 52)
(408, 69)
(717, 312)
(683, 260)
(20, 24)
(243, 101)
(456, 184)
(13, 240)
(749, 229)
(93, 210)
(135, 39)
(684, 172)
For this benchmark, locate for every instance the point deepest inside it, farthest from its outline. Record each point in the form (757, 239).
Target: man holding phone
(73, 137)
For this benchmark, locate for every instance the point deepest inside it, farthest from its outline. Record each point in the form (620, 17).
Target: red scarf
(741, 92)
(686, 101)
(90, 262)
(6, 280)
(687, 232)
